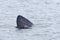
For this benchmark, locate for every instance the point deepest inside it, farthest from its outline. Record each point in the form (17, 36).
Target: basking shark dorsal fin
(23, 23)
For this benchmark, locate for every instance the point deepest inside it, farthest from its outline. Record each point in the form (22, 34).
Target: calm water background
(44, 14)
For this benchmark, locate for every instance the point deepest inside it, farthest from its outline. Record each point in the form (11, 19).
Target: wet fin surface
(23, 23)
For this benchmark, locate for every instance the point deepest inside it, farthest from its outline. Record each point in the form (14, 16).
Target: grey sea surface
(44, 14)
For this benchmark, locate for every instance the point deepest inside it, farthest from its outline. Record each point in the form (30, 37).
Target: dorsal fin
(22, 22)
